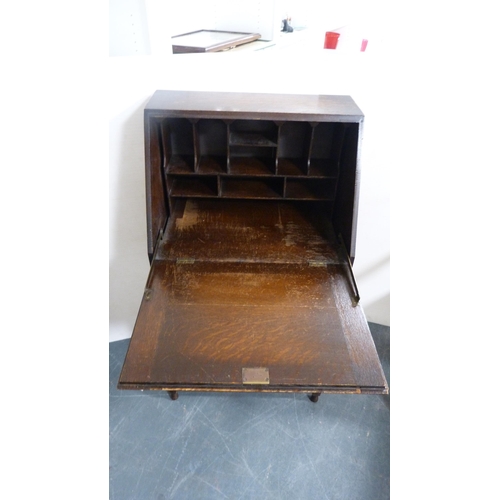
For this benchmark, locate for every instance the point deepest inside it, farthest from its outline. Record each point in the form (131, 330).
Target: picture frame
(210, 41)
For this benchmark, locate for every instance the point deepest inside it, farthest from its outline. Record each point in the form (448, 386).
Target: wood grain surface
(246, 196)
(227, 105)
(246, 286)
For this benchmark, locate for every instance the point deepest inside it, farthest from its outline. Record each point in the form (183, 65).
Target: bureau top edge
(231, 105)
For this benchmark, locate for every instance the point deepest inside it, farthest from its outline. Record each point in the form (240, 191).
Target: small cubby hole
(326, 148)
(252, 187)
(263, 133)
(211, 140)
(293, 148)
(178, 145)
(310, 189)
(192, 186)
(252, 147)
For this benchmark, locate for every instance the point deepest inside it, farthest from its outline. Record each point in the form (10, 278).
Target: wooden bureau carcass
(251, 225)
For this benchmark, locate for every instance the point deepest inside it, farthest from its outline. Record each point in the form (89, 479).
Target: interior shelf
(322, 168)
(309, 189)
(251, 188)
(193, 186)
(180, 164)
(256, 133)
(292, 166)
(293, 147)
(251, 166)
(326, 148)
(212, 165)
(250, 139)
(260, 159)
(178, 144)
(210, 144)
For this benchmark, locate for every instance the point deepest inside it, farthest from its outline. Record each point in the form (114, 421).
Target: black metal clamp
(349, 267)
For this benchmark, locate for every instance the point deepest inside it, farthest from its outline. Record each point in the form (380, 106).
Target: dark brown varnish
(247, 272)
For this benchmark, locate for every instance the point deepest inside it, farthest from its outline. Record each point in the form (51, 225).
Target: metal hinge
(185, 260)
(317, 263)
(357, 298)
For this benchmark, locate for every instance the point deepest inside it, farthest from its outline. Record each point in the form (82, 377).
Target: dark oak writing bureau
(251, 217)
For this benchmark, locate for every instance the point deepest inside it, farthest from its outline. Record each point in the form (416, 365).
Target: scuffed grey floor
(248, 446)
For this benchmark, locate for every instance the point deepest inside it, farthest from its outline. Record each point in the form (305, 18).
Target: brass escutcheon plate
(255, 375)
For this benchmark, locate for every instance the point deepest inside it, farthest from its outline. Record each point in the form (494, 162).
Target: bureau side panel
(156, 205)
(345, 213)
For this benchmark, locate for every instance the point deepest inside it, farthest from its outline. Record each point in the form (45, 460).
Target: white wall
(294, 68)
(128, 28)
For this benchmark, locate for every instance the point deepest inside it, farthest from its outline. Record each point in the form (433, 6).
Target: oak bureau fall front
(251, 219)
